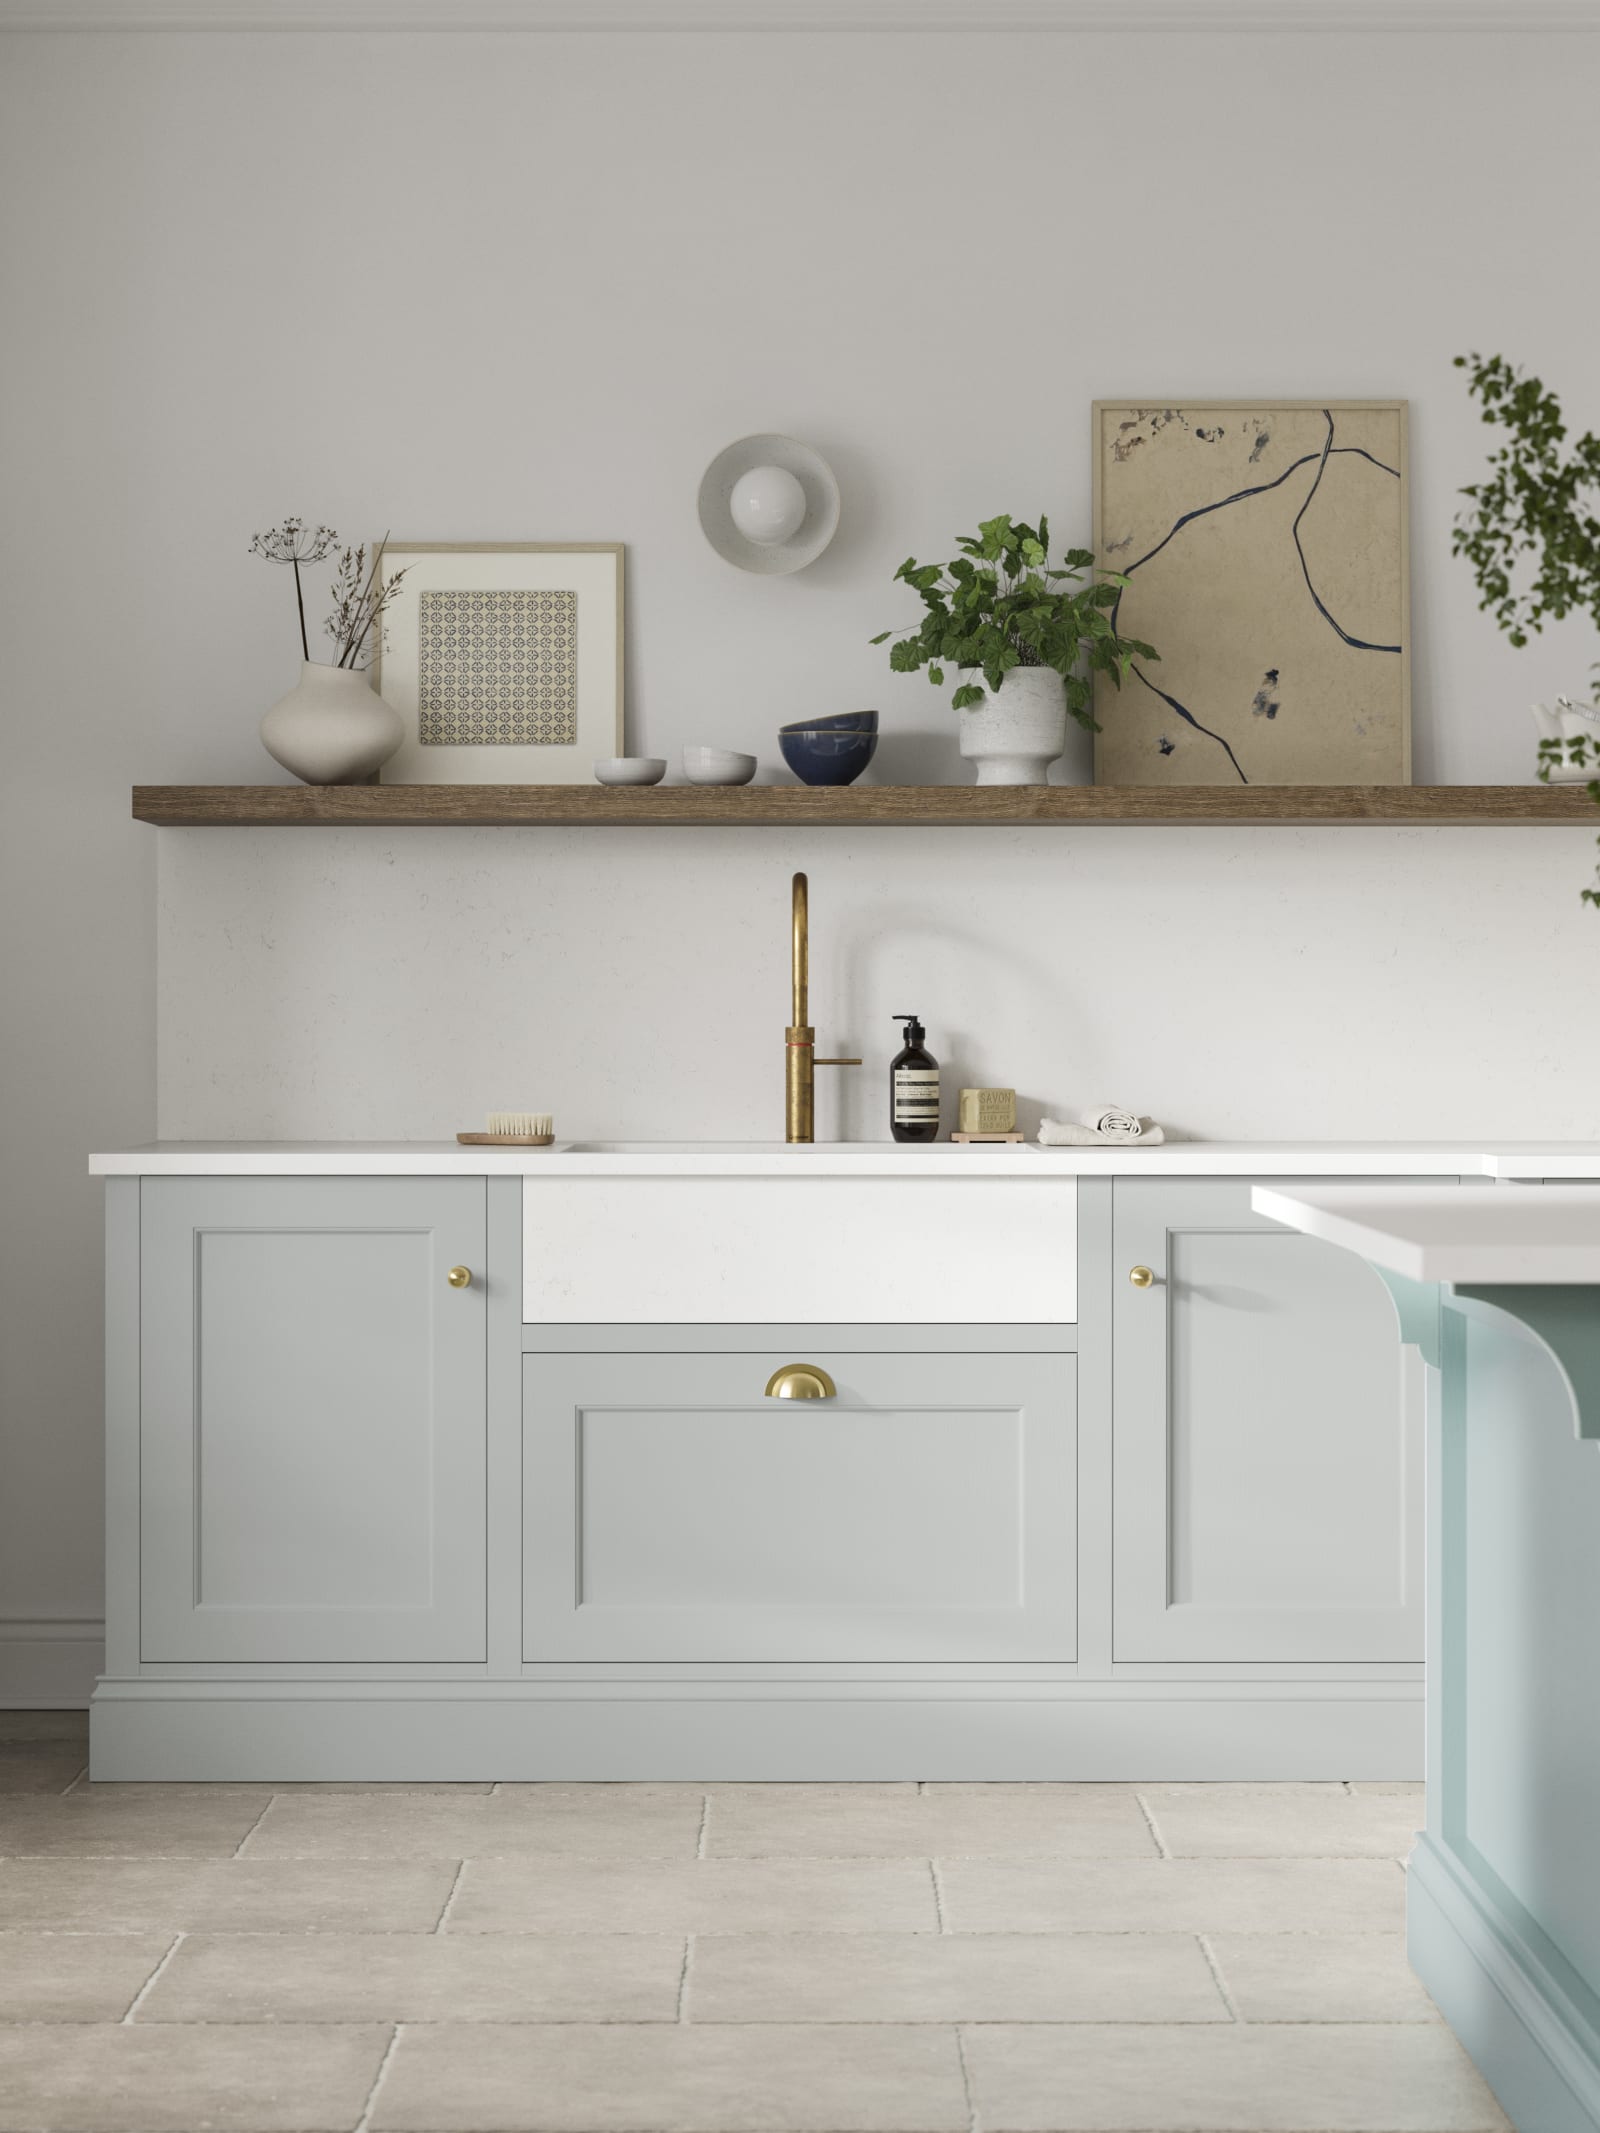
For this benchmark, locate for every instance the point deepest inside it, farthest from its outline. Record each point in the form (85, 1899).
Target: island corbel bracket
(1416, 1305)
(1563, 1318)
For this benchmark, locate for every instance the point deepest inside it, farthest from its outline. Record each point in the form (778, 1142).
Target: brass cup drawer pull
(801, 1381)
(460, 1277)
(1142, 1277)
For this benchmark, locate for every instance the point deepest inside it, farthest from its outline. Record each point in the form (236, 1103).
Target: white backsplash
(1236, 984)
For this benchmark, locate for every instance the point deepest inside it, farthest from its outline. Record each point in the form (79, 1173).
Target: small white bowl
(631, 770)
(718, 766)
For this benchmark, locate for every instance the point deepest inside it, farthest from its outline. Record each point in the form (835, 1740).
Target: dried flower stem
(352, 652)
(291, 543)
(361, 594)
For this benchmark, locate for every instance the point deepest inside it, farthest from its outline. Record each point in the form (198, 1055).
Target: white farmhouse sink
(697, 1234)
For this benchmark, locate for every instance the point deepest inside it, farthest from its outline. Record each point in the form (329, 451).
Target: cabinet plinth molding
(854, 806)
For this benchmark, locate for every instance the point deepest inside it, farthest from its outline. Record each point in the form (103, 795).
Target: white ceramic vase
(1015, 734)
(332, 728)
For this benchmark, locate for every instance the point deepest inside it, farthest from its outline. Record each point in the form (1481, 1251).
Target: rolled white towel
(1111, 1122)
(1068, 1133)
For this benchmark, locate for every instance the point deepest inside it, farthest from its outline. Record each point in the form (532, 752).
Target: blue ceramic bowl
(830, 751)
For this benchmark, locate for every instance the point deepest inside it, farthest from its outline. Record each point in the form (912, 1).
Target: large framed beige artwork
(504, 659)
(1264, 544)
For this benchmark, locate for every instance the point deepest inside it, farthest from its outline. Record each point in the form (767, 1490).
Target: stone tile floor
(708, 1959)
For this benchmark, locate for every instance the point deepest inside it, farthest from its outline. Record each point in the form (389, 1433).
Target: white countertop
(1521, 1233)
(597, 1158)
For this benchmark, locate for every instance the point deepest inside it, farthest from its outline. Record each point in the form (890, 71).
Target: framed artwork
(504, 658)
(1264, 542)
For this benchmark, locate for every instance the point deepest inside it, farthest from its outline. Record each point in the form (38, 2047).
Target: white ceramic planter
(332, 728)
(1570, 722)
(1016, 734)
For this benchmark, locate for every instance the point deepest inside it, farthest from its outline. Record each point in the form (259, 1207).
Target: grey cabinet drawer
(673, 1513)
(312, 1419)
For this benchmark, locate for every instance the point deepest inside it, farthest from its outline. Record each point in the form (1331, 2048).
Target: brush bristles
(521, 1125)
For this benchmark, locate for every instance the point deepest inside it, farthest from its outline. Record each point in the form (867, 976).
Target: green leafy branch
(1000, 605)
(1538, 502)
(1543, 502)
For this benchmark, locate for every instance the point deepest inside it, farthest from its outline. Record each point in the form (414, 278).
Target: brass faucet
(799, 1081)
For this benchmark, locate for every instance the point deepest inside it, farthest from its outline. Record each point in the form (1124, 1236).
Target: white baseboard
(49, 1664)
(1528, 2037)
(213, 1731)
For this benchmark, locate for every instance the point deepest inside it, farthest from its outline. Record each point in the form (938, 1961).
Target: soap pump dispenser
(914, 1087)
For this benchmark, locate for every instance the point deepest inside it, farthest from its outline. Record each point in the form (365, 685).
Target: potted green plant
(1540, 502)
(1024, 637)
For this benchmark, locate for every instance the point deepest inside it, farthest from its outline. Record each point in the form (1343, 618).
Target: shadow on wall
(932, 756)
(961, 1053)
(854, 545)
(966, 1055)
(918, 758)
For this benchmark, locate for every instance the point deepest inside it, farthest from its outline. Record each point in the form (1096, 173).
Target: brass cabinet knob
(1142, 1277)
(801, 1381)
(460, 1277)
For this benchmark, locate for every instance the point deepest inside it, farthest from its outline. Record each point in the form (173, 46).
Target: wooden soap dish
(506, 1140)
(959, 1137)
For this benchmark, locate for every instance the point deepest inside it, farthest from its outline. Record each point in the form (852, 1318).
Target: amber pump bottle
(914, 1087)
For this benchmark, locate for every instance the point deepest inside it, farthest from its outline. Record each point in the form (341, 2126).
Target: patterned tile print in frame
(497, 668)
(503, 718)
(1266, 548)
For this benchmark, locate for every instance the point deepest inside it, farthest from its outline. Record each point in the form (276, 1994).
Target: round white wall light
(769, 503)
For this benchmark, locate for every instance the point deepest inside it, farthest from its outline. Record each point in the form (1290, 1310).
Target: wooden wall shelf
(853, 806)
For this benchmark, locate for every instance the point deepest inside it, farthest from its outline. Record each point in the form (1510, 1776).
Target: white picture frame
(591, 570)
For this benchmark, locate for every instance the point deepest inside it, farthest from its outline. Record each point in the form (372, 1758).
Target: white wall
(500, 286)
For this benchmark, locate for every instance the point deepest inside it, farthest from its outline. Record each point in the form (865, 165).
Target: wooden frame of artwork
(505, 660)
(1284, 633)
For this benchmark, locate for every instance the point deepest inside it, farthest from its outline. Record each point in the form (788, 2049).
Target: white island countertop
(856, 1159)
(1521, 1233)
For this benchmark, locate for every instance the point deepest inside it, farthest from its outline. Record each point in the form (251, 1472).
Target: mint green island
(1499, 1287)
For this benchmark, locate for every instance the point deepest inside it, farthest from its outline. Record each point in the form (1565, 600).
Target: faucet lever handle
(836, 1062)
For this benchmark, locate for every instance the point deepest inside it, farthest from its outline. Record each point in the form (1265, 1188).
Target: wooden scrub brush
(513, 1129)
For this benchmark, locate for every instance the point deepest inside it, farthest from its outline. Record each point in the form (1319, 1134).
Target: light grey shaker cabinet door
(673, 1513)
(1268, 1440)
(312, 1419)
